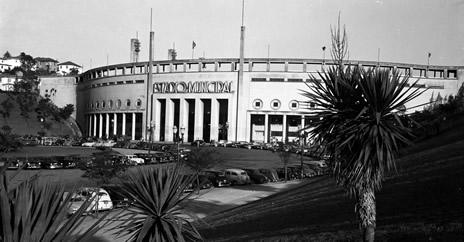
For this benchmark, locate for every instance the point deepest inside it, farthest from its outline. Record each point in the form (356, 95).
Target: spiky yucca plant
(357, 120)
(156, 213)
(35, 210)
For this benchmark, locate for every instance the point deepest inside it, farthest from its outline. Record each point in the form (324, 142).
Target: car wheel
(234, 183)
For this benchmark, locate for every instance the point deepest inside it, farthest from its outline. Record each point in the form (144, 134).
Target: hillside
(30, 126)
(422, 201)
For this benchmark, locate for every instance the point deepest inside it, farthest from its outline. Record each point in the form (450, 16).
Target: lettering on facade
(193, 87)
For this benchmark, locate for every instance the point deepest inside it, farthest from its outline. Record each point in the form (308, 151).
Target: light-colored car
(101, 200)
(237, 176)
(109, 143)
(89, 144)
(134, 160)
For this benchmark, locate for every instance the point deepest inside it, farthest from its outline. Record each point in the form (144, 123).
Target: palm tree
(156, 214)
(358, 122)
(35, 210)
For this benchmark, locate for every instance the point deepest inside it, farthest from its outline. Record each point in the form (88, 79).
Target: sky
(95, 33)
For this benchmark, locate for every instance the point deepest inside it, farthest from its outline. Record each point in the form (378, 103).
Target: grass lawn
(422, 201)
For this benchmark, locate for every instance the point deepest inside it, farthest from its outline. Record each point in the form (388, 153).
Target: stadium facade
(206, 99)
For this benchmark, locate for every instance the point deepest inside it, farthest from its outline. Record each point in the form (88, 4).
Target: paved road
(212, 201)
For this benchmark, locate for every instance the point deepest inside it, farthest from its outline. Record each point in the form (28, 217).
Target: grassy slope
(31, 125)
(422, 201)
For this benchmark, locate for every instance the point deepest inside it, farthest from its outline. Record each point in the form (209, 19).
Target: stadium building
(210, 99)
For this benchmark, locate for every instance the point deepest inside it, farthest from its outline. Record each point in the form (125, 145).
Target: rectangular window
(258, 79)
(276, 79)
(294, 80)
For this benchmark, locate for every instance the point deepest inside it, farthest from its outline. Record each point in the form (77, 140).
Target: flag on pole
(430, 54)
(193, 44)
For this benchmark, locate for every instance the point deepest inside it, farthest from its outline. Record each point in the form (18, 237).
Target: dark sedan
(256, 176)
(217, 178)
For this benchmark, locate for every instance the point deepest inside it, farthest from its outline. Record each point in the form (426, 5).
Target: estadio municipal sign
(193, 87)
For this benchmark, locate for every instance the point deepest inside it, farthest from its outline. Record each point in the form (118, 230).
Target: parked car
(271, 174)
(101, 200)
(256, 176)
(242, 144)
(50, 163)
(153, 158)
(237, 176)
(320, 167)
(118, 196)
(134, 160)
(32, 164)
(198, 142)
(281, 172)
(256, 145)
(89, 144)
(108, 143)
(307, 171)
(12, 164)
(204, 182)
(218, 178)
(223, 143)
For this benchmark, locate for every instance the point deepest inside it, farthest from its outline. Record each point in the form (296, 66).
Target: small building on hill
(10, 63)
(67, 68)
(7, 81)
(46, 64)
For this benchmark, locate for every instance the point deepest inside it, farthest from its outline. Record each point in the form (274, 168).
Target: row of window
(275, 104)
(100, 105)
(257, 104)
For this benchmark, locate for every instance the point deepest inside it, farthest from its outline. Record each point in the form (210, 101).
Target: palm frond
(156, 213)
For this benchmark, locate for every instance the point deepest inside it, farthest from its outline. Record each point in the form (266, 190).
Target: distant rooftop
(45, 59)
(69, 63)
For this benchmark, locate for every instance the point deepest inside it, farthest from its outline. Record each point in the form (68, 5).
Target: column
(266, 128)
(94, 124)
(89, 129)
(199, 110)
(214, 128)
(183, 118)
(115, 124)
(107, 128)
(248, 127)
(123, 124)
(100, 131)
(156, 117)
(133, 126)
(232, 117)
(169, 134)
(284, 129)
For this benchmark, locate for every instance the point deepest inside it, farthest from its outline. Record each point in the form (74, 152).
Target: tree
(8, 141)
(284, 156)
(74, 71)
(66, 111)
(357, 120)
(156, 213)
(104, 166)
(6, 107)
(201, 159)
(7, 55)
(27, 61)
